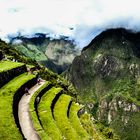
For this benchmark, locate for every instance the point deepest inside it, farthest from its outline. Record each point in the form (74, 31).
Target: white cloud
(87, 17)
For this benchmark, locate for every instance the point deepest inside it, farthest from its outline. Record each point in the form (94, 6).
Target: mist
(80, 20)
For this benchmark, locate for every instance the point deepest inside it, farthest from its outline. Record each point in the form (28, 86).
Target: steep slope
(9, 53)
(107, 75)
(47, 103)
(55, 54)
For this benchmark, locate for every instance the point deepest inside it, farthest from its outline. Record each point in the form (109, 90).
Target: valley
(99, 100)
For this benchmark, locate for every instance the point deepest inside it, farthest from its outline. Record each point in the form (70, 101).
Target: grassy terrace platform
(76, 122)
(89, 127)
(60, 115)
(8, 129)
(8, 65)
(45, 114)
(36, 124)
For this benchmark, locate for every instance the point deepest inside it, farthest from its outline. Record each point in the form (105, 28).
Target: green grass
(45, 114)
(40, 131)
(31, 51)
(89, 127)
(32, 101)
(76, 122)
(60, 115)
(7, 65)
(36, 124)
(8, 129)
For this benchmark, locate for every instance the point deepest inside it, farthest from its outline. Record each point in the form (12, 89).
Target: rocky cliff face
(122, 115)
(55, 54)
(107, 76)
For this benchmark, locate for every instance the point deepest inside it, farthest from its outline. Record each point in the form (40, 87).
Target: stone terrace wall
(1, 55)
(6, 76)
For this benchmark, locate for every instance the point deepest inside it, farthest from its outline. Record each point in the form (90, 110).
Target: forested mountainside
(107, 78)
(55, 54)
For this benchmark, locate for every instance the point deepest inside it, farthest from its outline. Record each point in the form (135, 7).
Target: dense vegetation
(107, 77)
(12, 54)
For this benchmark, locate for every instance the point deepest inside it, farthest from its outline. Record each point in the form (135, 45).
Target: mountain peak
(116, 32)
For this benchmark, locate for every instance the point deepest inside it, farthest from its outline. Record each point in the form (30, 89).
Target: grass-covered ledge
(8, 65)
(45, 113)
(9, 70)
(35, 95)
(60, 115)
(73, 117)
(33, 111)
(8, 128)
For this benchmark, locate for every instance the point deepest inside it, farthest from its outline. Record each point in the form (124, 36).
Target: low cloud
(81, 20)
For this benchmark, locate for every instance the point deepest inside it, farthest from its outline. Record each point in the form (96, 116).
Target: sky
(80, 20)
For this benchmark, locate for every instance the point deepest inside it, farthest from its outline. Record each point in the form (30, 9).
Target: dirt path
(24, 116)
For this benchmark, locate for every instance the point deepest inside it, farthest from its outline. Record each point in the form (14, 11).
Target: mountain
(55, 54)
(51, 110)
(107, 77)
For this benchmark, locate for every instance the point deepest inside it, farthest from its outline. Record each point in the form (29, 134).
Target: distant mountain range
(55, 54)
